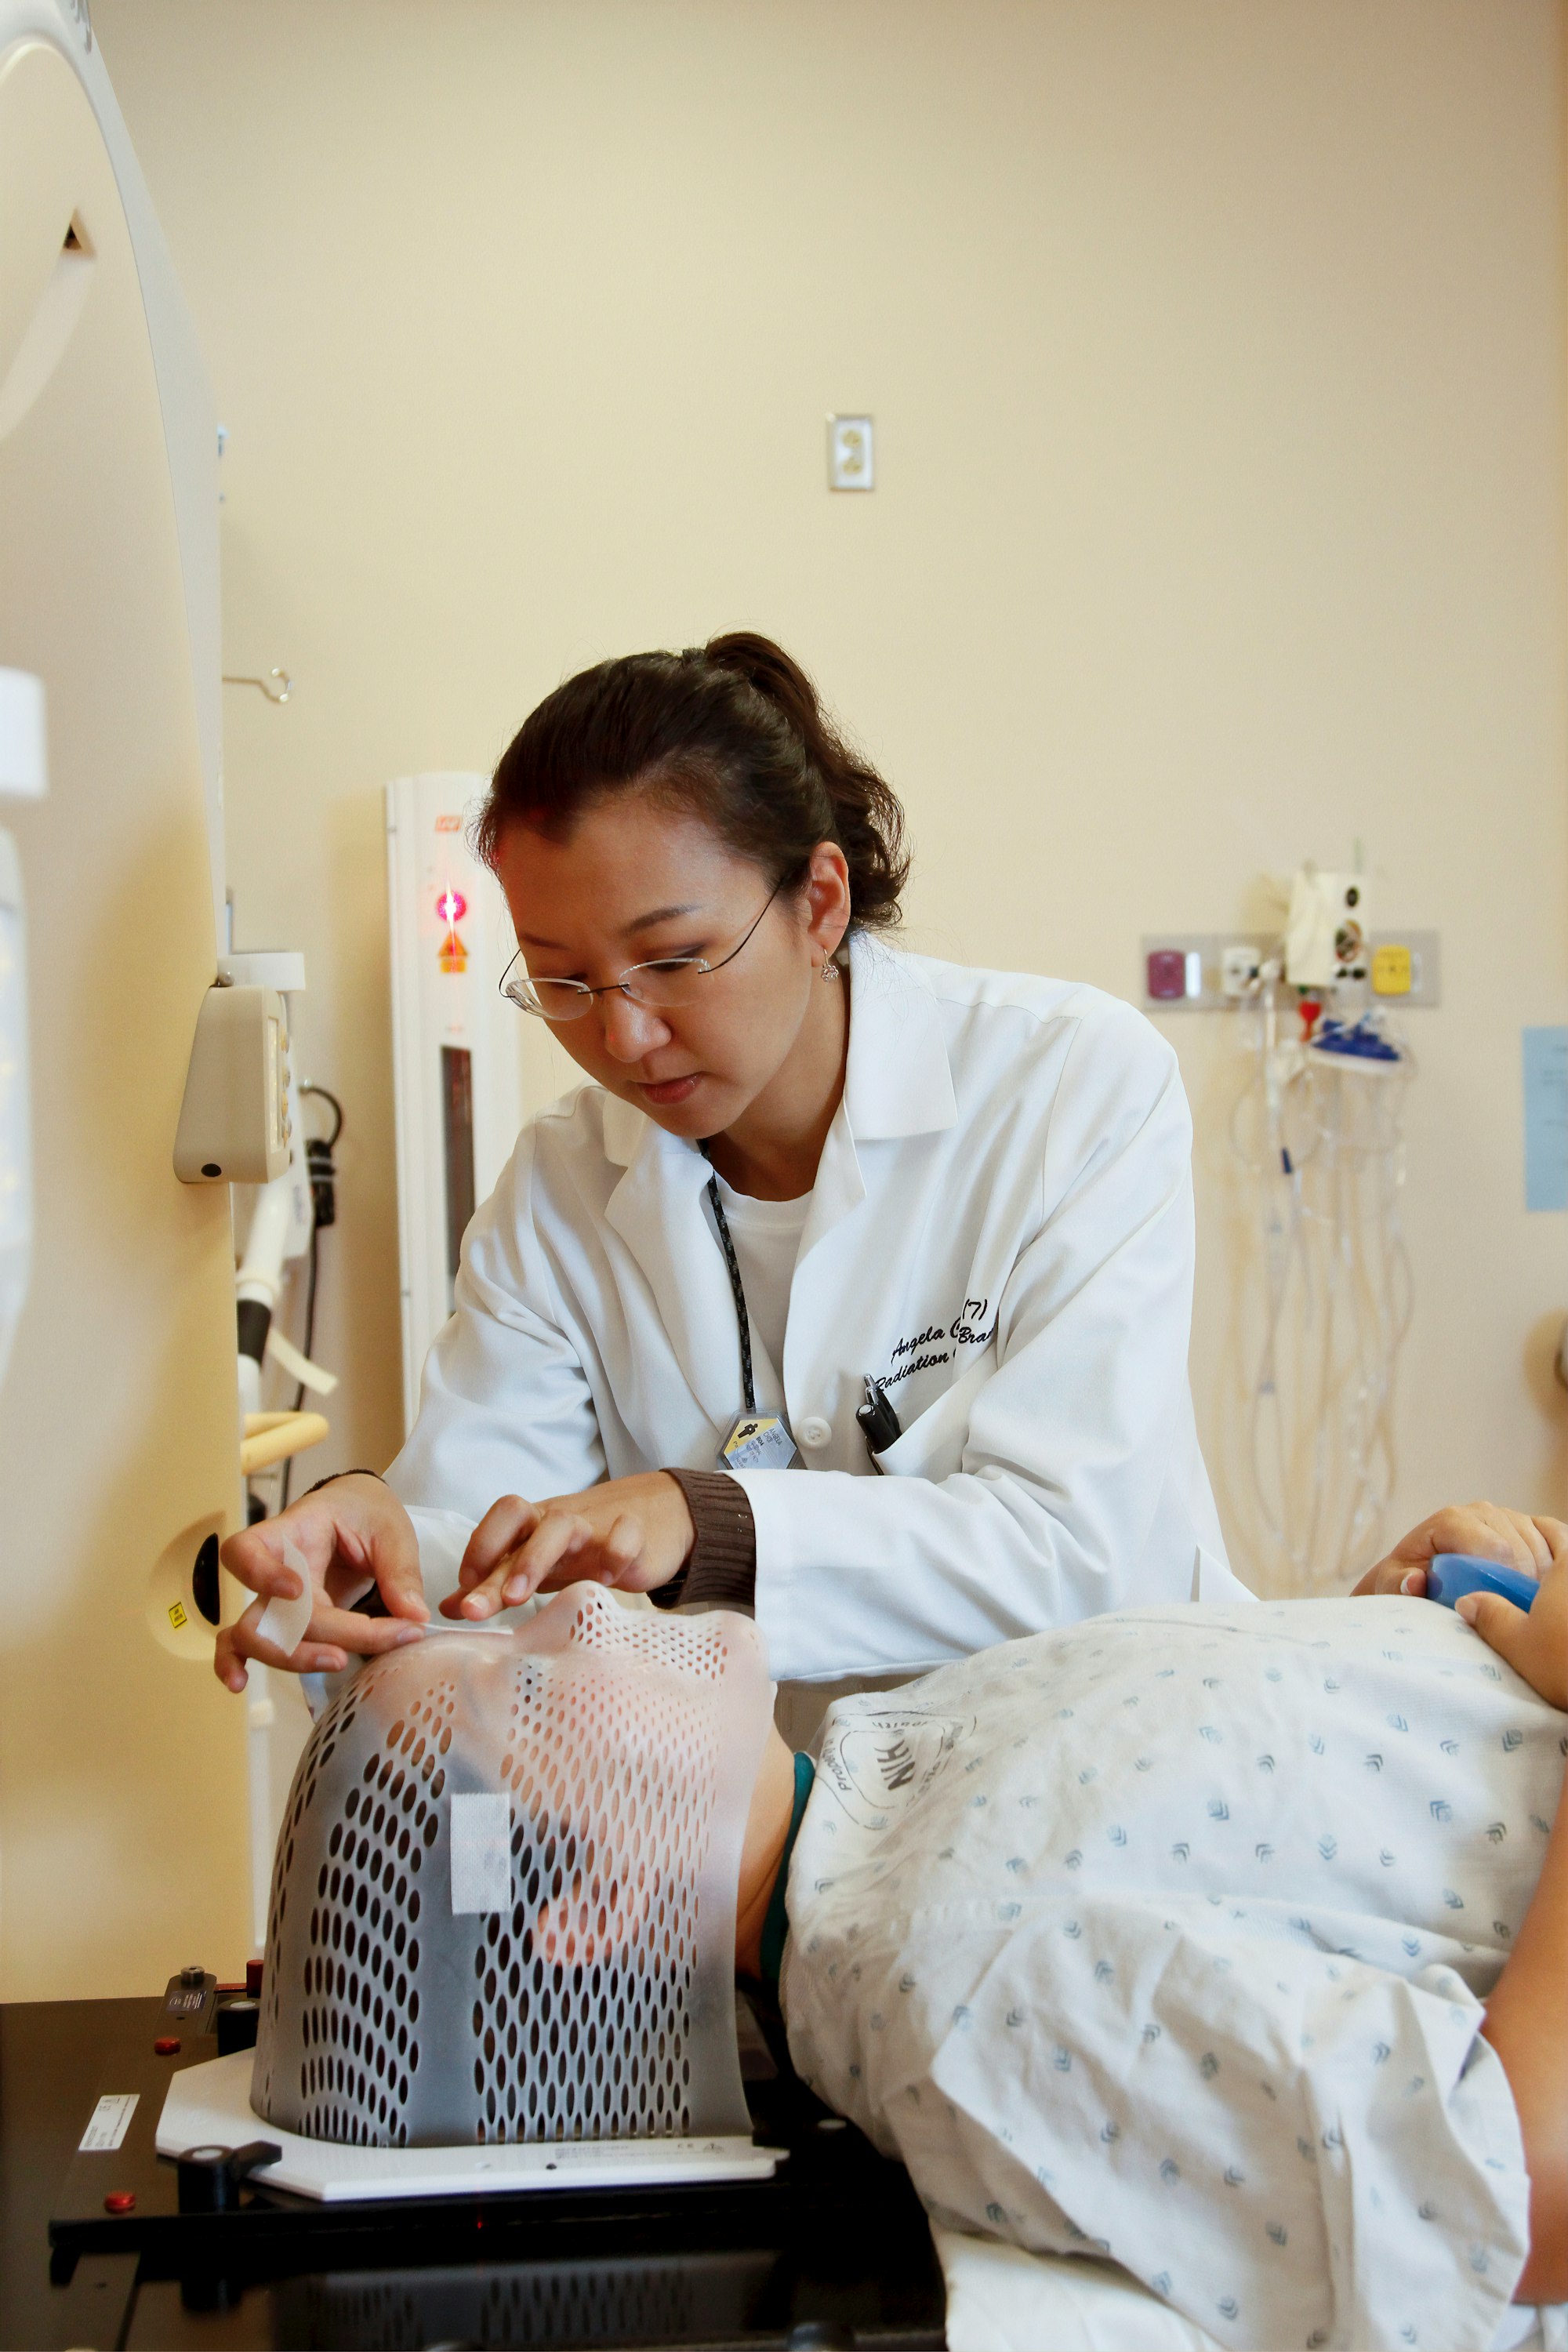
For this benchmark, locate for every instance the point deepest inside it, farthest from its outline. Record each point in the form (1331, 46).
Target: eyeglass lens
(672, 981)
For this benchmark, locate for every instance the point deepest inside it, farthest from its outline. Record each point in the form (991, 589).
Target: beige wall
(1216, 352)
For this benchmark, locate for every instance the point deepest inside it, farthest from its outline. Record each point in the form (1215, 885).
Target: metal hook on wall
(281, 693)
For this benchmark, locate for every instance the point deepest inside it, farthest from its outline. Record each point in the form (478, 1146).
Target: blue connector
(1453, 1572)
(1362, 1042)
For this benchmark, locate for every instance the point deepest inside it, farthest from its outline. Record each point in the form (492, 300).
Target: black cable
(324, 1212)
(327, 1096)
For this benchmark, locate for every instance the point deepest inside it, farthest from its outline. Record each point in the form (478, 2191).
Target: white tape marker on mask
(482, 1853)
(284, 1621)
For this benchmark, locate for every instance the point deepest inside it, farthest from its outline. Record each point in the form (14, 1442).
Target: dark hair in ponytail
(731, 731)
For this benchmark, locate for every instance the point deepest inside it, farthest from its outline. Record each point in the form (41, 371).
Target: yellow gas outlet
(1390, 972)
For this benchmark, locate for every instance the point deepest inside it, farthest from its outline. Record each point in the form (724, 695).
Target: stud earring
(829, 968)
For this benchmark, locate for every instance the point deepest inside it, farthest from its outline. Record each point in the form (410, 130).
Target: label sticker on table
(109, 2123)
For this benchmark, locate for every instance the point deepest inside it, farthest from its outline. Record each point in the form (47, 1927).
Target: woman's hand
(353, 1534)
(635, 1533)
(1534, 1641)
(1510, 1537)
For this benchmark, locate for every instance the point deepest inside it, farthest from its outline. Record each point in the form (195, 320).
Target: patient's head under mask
(503, 1904)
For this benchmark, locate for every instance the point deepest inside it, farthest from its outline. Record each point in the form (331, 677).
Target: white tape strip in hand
(284, 1621)
(482, 1853)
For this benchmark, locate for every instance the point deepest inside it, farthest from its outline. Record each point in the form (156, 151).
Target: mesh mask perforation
(599, 2003)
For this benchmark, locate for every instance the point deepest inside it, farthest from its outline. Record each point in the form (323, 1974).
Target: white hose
(1333, 1299)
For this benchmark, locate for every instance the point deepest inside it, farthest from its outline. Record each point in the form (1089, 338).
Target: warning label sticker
(109, 2123)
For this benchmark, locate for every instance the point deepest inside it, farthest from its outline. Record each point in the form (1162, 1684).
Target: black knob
(195, 1974)
(236, 2022)
(211, 2178)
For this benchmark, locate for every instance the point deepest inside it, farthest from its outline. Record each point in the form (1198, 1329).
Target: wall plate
(1199, 956)
(851, 453)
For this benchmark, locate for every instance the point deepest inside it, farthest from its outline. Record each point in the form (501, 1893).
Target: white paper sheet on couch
(1001, 2299)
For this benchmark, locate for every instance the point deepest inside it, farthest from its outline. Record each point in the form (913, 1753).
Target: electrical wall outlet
(1238, 968)
(851, 453)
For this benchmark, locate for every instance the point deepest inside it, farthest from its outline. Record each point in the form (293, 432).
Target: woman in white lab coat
(855, 1287)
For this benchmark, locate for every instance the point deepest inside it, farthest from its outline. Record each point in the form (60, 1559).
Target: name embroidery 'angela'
(939, 1343)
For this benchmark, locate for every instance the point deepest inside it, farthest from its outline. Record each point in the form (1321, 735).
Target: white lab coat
(1001, 1228)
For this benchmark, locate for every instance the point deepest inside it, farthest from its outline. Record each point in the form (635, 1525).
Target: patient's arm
(1527, 2016)
(1510, 1537)
(1526, 2025)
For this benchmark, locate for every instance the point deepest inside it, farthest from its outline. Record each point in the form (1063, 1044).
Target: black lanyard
(749, 1395)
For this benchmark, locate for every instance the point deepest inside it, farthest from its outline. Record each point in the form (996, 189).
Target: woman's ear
(825, 894)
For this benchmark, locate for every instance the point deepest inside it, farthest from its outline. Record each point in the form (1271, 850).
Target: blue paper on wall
(1546, 1118)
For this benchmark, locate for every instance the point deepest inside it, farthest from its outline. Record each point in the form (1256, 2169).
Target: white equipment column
(459, 1049)
(123, 1764)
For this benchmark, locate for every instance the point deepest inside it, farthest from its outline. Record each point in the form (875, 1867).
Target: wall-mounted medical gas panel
(456, 1045)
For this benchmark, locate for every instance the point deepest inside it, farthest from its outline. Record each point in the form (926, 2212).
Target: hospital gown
(1164, 1938)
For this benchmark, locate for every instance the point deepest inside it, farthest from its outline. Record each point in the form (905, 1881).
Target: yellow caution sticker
(1390, 972)
(177, 1617)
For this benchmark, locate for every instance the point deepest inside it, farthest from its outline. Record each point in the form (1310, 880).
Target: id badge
(757, 1441)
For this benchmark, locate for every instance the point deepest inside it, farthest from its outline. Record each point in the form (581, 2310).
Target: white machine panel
(458, 1046)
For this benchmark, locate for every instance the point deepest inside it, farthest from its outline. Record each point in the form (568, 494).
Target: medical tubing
(1336, 1299)
(310, 1281)
(749, 1393)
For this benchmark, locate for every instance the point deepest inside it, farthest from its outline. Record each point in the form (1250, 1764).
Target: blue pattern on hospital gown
(1164, 1938)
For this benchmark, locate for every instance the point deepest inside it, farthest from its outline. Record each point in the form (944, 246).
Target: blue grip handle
(1453, 1572)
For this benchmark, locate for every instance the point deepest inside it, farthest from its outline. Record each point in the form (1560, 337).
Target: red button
(253, 1979)
(120, 2200)
(167, 2047)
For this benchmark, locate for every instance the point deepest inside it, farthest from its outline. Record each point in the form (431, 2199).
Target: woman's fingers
(351, 1533)
(332, 1636)
(560, 1538)
(547, 1536)
(480, 1600)
(254, 1556)
(236, 1649)
(553, 1546)
(387, 1548)
(507, 1523)
(633, 1532)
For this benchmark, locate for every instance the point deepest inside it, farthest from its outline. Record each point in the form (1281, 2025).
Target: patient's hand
(1534, 1642)
(1510, 1537)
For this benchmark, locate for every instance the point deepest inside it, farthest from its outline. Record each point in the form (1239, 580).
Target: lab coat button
(815, 1433)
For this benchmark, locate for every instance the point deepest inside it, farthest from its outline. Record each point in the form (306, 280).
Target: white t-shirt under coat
(766, 1234)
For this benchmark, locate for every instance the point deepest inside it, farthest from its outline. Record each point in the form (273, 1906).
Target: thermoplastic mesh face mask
(503, 1904)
